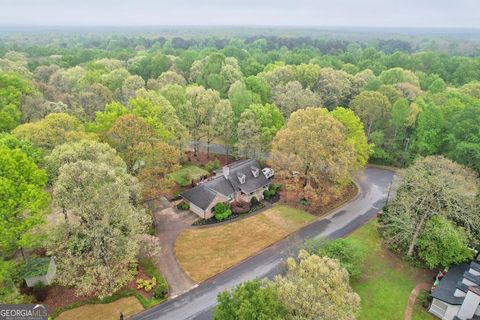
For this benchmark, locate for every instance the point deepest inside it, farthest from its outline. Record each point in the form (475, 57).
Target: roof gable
(200, 196)
(251, 183)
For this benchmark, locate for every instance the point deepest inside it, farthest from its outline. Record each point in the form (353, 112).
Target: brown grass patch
(110, 311)
(205, 252)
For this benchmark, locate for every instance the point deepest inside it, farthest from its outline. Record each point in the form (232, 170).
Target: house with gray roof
(239, 181)
(457, 295)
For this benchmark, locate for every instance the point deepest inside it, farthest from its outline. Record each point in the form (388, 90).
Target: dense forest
(412, 103)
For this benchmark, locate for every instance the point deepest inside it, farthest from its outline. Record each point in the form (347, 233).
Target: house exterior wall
(446, 312)
(198, 211)
(469, 306)
(247, 197)
(452, 311)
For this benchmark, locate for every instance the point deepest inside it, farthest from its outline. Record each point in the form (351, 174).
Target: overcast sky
(365, 13)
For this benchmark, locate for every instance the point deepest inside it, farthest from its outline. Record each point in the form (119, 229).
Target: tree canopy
(22, 200)
(435, 194)
(314, 144)
(316, 288)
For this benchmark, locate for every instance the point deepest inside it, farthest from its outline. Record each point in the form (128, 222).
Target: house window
(438, 308)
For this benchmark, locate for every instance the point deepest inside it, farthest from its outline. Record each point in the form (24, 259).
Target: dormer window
(241, 178)
(255, 171)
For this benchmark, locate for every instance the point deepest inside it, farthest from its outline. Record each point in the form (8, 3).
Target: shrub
(222, 211)
(304, 202)
(213, 165)
(151, 270)
(349, 252)
(272, 191)
(161, 290)
(267, 194)
(147, 285)
(276, 187)
(240, 207)
(254, 201)
(183, 206)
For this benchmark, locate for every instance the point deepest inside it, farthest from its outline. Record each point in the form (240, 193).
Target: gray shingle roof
(221, 185)
(203, 194)
(200, 196)
(447, 286)
(462, 286)
(475, 266)
(251, 183)
(475, 279)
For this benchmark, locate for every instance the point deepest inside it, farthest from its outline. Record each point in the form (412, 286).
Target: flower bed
(212, 220)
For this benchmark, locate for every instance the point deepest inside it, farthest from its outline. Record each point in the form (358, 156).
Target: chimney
(226, 171)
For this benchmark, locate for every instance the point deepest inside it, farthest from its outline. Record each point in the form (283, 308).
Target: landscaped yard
(111, 311)
(204, 252)
(387, 281)
(64, 304)
(184, 176)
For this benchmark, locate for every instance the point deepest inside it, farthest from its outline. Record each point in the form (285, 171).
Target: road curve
(199, 302)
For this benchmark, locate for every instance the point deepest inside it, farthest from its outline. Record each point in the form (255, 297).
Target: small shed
(39, 270)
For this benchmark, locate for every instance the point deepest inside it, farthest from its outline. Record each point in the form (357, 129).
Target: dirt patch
(110, 311)
(57, 296)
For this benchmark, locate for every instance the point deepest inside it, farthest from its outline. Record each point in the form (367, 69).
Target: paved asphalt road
(199, 302)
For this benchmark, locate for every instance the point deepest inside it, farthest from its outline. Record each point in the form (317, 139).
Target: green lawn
(184, 176)
(387, 281)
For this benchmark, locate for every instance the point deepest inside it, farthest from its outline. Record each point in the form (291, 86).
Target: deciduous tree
(316, 288)
(97, 253)
(443, 243)
(314, 144)
(55, 129)
(250, 300)
(292, 97)
(431, 186)
(22, 198)
(372, 108)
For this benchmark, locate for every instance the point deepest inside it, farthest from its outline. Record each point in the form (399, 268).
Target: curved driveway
(199, 302)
